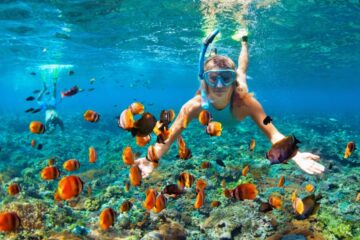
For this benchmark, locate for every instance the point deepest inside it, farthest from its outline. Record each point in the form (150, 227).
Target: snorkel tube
(206, 43)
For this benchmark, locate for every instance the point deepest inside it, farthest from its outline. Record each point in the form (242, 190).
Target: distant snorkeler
(224, 93)
(49, 103)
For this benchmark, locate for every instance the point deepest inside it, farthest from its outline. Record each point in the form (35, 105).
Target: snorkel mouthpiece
(206, 43)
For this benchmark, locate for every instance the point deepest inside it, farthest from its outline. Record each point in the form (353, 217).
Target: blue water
(305, 52)
(304, 59)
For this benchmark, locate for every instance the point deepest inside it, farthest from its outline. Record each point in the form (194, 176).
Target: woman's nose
(219, 83)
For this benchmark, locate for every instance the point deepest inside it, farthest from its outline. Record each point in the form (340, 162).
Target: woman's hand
(306, 161)
(145, 166)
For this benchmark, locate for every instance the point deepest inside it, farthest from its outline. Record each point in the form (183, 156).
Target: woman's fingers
(308, 171)
(310, 156)
(314, 157)
(319, 167)
(316, 167)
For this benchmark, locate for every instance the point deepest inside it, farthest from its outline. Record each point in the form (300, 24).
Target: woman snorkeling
(52, 118)
(224, 93)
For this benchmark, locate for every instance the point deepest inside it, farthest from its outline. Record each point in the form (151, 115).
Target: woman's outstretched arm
(189, 111)
(304, 160)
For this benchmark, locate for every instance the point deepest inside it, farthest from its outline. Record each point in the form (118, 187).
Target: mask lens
(227, 77)
(213, 77)
(210, 78)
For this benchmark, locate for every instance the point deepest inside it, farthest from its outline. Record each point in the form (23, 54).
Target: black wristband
(244, 38)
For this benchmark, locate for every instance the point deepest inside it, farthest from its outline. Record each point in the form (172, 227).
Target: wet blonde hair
(219, 61)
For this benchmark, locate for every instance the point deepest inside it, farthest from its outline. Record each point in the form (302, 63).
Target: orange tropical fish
(252, 145)
(298, 206)
(128, 156)
(309, 188)
(350, 147)
(37, 127)
(89, 191)
(306, 206)
(9, 221)
(150, 199)
(184, 152)
(51, 161)
(163, 135)
(245, 191)
(33, 143)
(223, 183)
(92, 155)
(127, 186)
(205, 165)
(126, 120)
(57, 197)
(152, 156)
(200, 184)
(214, 129)
(185, 180)
(242, 192)
(357, 197)
(245, 170)
(200, 197)
(137, 108)
(91, 116)
(265, 207)
(166, 117)
(171, 115)
(281, 181)
(71, 165)
(293, 196)
(275, 202)
(135, 175)
(160, 203)
(215, 204)
(126, 206)
(142, 141)
(70, 187)
(50, 173)
(173, 190)
(157, 128)
(107, 218)
(229, 193)
(283, 150)
(144, 126)
(205, 117)
(181, 142)
(14, 189)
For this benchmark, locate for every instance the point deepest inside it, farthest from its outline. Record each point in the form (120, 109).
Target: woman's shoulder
(194, 102)
(193, 106)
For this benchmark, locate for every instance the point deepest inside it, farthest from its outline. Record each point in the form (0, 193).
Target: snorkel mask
(213, 78)
(224, 76)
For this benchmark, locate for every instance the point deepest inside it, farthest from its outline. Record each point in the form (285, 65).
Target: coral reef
(172, 230)
(104, 182)
(31, 213)
(240, 220)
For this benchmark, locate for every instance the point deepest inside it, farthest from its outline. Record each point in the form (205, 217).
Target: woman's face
(219, 92)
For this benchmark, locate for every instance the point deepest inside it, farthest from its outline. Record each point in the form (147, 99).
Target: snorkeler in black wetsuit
(52, 118)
